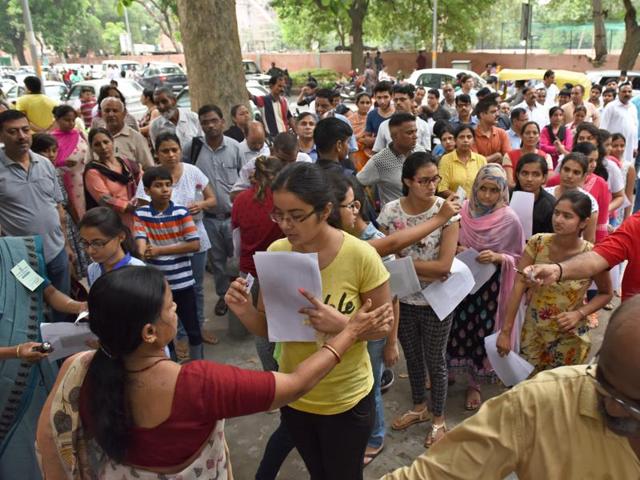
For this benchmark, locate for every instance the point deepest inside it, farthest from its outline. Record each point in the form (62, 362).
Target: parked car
(254, 88)
(131, 90)
(602, 77)
(252, 72)
(6, 84)
(55, 90)
(437, 77)
(163, 75)
(123, 65)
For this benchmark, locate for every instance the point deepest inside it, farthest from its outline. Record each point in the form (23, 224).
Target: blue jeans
(219, 232)
(198, 262)
(376, 351)
(58, 274)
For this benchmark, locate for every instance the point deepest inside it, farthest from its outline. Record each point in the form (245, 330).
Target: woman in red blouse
(148, 415)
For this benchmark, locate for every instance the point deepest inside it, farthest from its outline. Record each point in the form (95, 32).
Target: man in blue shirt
(383, 110)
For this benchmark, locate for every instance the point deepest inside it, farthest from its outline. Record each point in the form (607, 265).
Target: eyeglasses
(294, 219)
(353, 206)
(425, 181)
(97, 244)
(607, 391)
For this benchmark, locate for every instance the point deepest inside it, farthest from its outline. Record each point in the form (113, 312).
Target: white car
(131, 90)
(56, 90)
(601, 77)
(437, 77)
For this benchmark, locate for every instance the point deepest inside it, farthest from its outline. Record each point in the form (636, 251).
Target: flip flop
(370, 457)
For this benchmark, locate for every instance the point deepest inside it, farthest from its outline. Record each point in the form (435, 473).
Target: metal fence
(557, 38)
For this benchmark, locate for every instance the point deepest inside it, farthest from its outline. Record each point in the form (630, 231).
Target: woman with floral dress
(555, 331)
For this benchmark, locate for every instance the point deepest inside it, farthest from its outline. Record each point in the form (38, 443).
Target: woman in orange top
(110, 181)
(358, 121)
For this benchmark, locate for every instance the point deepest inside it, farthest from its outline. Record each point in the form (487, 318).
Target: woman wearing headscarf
(491, 227)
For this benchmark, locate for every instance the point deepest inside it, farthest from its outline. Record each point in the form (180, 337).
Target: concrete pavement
(247, 436)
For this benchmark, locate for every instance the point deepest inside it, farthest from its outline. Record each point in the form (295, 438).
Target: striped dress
(169, 227)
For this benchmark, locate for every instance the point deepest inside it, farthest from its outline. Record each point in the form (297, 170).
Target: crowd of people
(123, 219)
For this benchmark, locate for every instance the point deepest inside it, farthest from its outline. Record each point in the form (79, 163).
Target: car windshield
(184, 101)
(250, 68)
(170, 70)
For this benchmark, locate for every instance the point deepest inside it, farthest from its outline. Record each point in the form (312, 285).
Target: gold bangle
(333, 350)
(18, 351)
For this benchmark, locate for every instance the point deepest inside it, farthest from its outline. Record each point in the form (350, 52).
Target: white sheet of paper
(26, 275)
(481, 272)
(281, 274)
(235, 238)
(66, 338)
(404, 279)
(461, 194)
(512, 368)
(445, 296)
(522, 204)
(249, 278)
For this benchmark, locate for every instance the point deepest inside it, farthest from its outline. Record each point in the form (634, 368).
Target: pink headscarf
(67, 143)
(495, 228)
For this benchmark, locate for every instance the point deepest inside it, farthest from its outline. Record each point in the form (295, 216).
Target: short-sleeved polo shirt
(497, 141)
(28, 202)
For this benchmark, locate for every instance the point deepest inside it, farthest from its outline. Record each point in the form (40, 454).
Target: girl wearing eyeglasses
(331, 424)
(107, 241)
(422, 334)
(350, 217)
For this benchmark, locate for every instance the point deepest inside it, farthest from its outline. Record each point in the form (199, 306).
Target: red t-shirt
(257, 230)
(624, 244)
(205, 392)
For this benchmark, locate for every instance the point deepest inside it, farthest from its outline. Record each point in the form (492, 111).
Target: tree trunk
(18, 45)
(631, 47)
(357, 12)
(599, 34)
(212, 53)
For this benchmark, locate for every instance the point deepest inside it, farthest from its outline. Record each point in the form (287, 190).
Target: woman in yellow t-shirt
(460, 167)
(331, 424)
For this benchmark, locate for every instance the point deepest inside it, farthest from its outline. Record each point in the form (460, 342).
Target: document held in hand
(481, 272)
(445, 296)
(66, 338)
(404, 279)
(510, 369)
(281, 275)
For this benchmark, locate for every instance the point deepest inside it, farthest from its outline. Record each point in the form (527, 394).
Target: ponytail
(266, 170)
(121, 303)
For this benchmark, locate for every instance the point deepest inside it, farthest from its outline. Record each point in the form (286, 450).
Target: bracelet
(333, 350)
(561, 272)
(18, 351)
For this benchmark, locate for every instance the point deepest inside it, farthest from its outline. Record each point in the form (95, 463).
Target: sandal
(472, 405)
(209, 337)
(411, 417)
(371, 456)
(432, 436)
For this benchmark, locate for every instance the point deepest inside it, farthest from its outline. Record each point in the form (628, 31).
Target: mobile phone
(44, 347)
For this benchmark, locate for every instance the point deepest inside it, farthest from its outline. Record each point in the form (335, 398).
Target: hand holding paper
(444, 297)
(512, 368)
(282, 275)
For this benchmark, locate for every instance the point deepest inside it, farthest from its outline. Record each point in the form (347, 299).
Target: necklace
(148, 367)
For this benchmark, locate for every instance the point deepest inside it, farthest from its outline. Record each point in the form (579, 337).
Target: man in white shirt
(621, 116)
(254, 144)
(181, 121)
(403, 101)
(548, 80)
(537, 113)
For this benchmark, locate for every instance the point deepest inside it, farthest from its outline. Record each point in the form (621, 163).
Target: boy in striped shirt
(166, 236)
